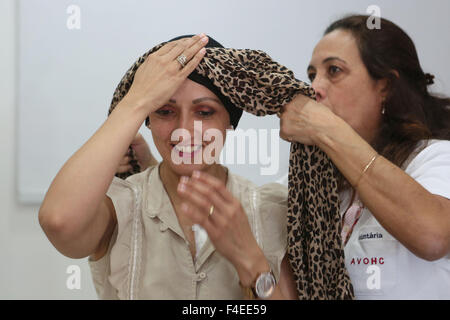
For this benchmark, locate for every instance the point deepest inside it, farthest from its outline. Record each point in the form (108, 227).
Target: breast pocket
(371, 259)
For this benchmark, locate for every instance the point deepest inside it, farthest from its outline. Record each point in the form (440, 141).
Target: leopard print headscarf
(259, 85)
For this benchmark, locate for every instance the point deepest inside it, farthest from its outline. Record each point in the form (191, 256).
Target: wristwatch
(263, 287)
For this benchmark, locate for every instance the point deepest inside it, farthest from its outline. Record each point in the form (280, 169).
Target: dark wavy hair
(412, 113)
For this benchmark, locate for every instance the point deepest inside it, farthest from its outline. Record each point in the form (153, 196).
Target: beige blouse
(149, 257)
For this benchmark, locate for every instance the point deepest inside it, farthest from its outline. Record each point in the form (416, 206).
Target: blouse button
(152, 213)
(202, 275)
(163, 227)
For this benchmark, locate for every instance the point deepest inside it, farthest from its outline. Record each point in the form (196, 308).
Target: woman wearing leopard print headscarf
(389, 137)
(144, 235)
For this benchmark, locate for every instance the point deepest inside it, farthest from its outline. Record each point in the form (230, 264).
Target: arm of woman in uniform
(143, 155)
(417, 218)
(229, 231)
(76, 214)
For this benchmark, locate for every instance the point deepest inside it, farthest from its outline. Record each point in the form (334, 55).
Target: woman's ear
(395, 73)
(385, 84)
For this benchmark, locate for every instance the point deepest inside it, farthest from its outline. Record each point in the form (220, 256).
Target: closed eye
(205, 113)
(163, 112)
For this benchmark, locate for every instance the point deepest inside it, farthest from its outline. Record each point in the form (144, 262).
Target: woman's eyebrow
(204, 99)
(312, 67)
(333, 58)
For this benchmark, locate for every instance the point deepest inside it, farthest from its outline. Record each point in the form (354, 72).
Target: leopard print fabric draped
(257, 84)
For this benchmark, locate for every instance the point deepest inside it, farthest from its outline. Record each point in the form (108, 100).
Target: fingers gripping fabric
(260, 86)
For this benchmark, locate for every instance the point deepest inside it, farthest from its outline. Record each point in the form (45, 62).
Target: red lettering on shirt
(367, 260)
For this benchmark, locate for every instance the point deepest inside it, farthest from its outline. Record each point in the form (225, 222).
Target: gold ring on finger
(211, 210)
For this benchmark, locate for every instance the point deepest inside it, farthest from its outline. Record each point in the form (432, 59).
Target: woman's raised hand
(158, 78)
(306, 121)
(207, 202)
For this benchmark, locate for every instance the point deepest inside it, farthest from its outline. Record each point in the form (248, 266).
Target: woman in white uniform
(389, 137)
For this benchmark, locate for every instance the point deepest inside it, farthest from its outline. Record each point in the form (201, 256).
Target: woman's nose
(319, 87)
(185, 122)
(191, 125)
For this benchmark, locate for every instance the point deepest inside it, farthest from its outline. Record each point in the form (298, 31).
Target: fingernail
(196, 174)
(182, 187)
(204, 39)
(184, 207)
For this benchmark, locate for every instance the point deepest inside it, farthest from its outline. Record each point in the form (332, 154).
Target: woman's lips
(187, 151)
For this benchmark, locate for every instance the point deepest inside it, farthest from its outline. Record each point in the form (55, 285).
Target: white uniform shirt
(380, 267)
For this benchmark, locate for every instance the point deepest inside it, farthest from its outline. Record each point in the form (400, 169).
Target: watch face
(265, 285)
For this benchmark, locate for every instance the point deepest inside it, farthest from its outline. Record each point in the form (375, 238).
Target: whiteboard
(67, 75)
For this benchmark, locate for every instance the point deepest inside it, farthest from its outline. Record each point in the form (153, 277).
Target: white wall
(30, 268)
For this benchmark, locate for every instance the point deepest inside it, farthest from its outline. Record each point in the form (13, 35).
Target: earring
(383, 106)
(231, 127)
